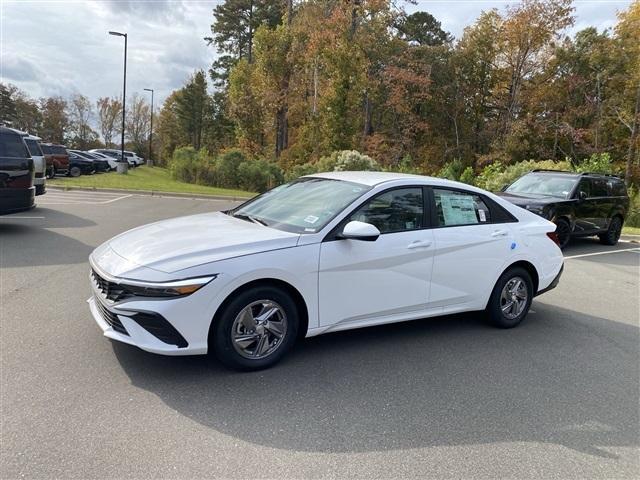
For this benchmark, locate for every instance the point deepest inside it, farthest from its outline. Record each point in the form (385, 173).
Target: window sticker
(483, 216)
(311, 219)
(458, 209)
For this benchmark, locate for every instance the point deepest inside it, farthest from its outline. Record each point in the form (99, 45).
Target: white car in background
(113, 163)
(39, 162)
(327, 252)
(132, 156)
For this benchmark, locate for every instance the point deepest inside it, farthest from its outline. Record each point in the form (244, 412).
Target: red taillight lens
(554, 236)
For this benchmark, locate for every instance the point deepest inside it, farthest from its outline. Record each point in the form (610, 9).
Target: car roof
(10, 131)
(376, 178)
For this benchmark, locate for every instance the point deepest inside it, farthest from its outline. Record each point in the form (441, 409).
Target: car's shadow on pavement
(30, 242)
(561, 377)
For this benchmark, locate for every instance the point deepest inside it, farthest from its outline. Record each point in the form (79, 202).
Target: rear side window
(34, 147)
(599, 187)
(60, 150)
(46, 149)
(617, 188)
(454, 208)
(12, 146)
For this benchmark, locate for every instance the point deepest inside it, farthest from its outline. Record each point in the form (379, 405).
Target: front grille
(111, 318)
(112, 291)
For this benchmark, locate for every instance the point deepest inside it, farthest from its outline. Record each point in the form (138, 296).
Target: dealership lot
(451, 397)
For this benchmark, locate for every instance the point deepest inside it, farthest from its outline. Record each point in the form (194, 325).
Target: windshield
(545, 185)
(303, 206)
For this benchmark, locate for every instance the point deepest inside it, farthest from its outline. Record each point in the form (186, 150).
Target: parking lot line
(636, 249)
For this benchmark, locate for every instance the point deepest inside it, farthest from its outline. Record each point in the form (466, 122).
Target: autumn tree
(138, 117)
(18, 110)
(109, 115)
(55, 119)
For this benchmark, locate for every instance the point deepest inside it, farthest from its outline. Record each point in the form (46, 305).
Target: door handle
(419, 244)
(500, 233)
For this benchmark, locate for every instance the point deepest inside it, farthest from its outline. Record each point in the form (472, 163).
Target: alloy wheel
(514, 297)
(259, 329)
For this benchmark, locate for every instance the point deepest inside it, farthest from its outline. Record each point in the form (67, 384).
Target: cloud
(18, 69)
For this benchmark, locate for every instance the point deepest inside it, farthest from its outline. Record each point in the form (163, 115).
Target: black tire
(51, 172)
(612, 235)
(75, 172)
(497, 302)
(227, 325)
(563, 230)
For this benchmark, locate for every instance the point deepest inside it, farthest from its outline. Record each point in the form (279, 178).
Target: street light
(123, 161)
(149, 161)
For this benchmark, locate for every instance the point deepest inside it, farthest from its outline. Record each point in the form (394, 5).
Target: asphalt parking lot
(448, 397)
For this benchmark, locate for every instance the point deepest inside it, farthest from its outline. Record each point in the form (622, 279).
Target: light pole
(149, 160)
(123, 161)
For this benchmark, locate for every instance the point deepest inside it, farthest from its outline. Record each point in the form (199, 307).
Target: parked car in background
(328, 252)
(17, 192)
(59, 159)
(99, 165)
(113, 163)
(580, 204)
(79, 165)
(134, 157)
(39, 162)
(117, 154)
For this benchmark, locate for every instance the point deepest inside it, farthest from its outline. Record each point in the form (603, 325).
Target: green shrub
(452, 170)
(633, 217)
(596, 163)
(258, 175)
(468, 176)
(352, 160)
(227, 164)
(191, 166)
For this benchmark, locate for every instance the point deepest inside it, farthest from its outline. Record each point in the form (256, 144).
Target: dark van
(17, 192)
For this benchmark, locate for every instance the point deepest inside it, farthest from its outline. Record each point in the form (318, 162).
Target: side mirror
(355, 230)
(582, 195)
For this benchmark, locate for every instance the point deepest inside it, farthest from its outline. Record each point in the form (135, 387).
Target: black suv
(580, 204)
(17, 192)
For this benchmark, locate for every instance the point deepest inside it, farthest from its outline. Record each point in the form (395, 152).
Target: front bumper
(13, 200)
(146, 330)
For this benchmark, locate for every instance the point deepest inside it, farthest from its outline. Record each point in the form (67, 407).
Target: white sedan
(327, 252)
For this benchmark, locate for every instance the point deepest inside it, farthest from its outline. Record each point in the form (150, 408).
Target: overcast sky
(51, 47)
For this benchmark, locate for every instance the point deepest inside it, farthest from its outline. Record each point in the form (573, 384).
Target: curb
(150, 193)
(630, 238)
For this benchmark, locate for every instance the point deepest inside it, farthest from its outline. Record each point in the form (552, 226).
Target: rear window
(12, 146)
(34, 147)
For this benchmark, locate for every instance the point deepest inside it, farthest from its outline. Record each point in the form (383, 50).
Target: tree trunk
(631, 152)
(250, 46)
(368, 127)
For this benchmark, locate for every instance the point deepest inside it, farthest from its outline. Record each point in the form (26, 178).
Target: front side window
(398, 210)
(456, 208)
(303, 206)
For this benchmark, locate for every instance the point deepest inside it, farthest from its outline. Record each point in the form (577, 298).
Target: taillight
(554, 236)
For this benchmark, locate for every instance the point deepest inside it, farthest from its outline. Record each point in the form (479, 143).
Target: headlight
(166, 289)
(118, 289)
(537, 209)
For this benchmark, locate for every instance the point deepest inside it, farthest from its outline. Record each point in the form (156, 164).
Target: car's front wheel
(612, 235)
(563, 230)
(511, 298)
(255, 329)
(75, 172)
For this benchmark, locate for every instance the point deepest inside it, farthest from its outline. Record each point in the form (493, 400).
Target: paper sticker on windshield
(483, 216)
(311, 219)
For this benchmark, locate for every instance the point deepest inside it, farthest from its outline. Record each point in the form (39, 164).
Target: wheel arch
(297, 297)
(531, 270)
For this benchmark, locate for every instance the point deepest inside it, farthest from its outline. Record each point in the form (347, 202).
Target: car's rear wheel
(563, 230)
(612, 235)
(75, 172)
(511, 298)
(255, 329)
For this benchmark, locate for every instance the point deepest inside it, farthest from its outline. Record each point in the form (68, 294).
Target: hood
(179, 243)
